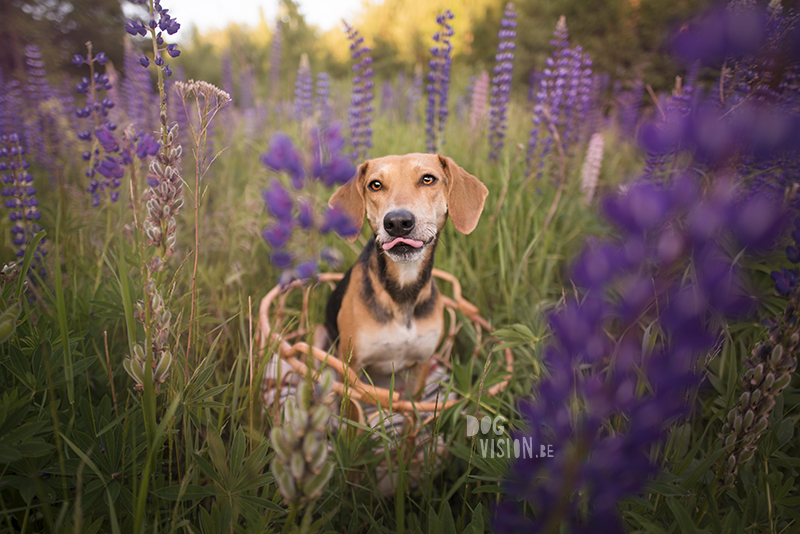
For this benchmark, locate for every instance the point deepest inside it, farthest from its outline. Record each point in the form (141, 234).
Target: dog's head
(406, 200)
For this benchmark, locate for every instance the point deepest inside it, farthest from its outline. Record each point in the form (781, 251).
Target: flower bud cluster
(303, 90)
(165, 23)
(562, 101)
(501, 82)
(360, 113)
(438, 86)
(20, 197)
(301, 467)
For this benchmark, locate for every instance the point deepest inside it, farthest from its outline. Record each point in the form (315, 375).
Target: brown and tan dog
(386, 312)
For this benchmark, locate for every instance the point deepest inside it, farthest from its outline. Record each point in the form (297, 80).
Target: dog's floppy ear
(349, 198)
(465, 196)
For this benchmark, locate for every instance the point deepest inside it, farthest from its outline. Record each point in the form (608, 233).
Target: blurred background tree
(60, 28)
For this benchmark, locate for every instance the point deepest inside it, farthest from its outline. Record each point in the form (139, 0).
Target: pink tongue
(412, 242)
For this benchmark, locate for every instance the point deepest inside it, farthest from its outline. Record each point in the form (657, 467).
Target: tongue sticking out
(397, 240)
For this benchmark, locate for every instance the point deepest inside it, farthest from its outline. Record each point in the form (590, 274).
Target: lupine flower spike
(105, 158)
(20, 198)
(360, 112)
(438, 87)
(501, 82)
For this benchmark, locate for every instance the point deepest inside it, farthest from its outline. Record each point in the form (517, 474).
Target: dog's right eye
(375, 185)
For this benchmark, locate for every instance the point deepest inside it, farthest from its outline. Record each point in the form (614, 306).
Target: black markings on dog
(426, 307)
(406, 295)
(379, 313)
(334, 305)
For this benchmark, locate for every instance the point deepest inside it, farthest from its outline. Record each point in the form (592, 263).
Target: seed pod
(730, 440)
(729, 479)
(769, 381)
(776, 356)
(162, 371)
(745, 398)
(318, 460)
(303, 396)
(134, 370)
(746, 456)
(297, 465)
(279, 443)
(761, 425)
(748, 419)
(755, 397)
(289, 407)
(731, 462)
(758, 372)
(737, 424)
(311, 443)
(781, 383)
(795, 339)
(6, 329)
(286, 484)
(748, 376)
(314, 486)
(300, 421)
(320, 417)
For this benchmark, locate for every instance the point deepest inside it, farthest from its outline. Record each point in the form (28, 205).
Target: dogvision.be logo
(493, 445)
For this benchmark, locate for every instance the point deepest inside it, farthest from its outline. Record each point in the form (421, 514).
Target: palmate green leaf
(208, 470)
(682, 516)
(237, 452)
(262, 503)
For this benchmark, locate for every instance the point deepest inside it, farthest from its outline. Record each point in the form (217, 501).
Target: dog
(386, 312)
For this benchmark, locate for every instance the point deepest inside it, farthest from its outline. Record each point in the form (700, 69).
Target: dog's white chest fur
(395, 346)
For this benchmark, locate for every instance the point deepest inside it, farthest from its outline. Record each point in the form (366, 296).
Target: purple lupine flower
(322, 101)
(227, 74)
(137, 91)
(501, 82)
(303, 90)
(275, 56)
(20, 197)
(105, 170)
(361, 96)
(41, 133)
(11, 108)
(562, 100)
(284, 157)
(438, 87)
(325, 162)
(597, 460)
(628, 105)
(160, 21)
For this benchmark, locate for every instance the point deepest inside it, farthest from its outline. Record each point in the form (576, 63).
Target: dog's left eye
(428, 179)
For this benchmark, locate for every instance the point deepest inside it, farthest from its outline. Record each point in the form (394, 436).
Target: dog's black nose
(399, 223)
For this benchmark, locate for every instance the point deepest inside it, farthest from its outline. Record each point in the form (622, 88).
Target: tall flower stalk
(501, 82)
(209, 100)
(438, 87)
(20, 198)
(361, 96)
(105, 170)
(303, 91)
